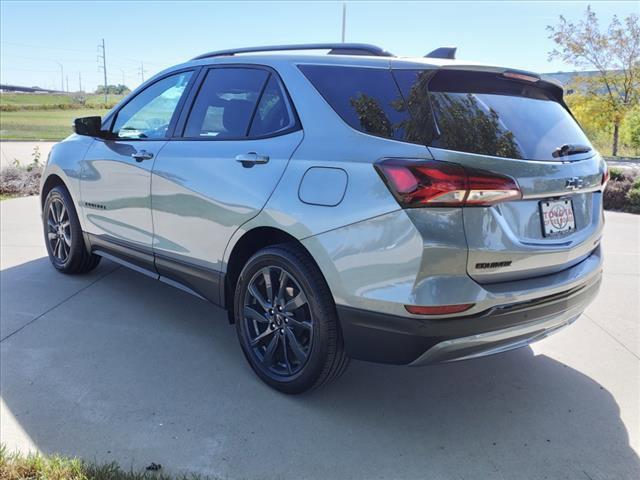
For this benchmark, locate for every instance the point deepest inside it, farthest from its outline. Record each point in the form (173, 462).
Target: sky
(44, 43)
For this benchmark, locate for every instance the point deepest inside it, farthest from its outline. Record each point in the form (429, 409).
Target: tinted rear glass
(368, 99)
(485, 114)
(273, 114)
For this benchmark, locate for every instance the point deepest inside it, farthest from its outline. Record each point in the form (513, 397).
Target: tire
(303, 322)
(63, 235)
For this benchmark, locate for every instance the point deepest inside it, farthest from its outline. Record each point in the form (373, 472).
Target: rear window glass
(273, 114)
(484, 114)
(368, 99)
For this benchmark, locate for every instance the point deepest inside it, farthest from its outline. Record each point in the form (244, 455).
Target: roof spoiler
(443, 52)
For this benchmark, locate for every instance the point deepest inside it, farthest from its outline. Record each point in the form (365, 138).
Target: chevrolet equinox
(353, 204)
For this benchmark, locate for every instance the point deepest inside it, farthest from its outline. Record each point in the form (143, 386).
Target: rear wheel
(63, 235)
(286, 321)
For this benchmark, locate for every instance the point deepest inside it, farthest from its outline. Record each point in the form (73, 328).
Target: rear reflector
(438, 310)
(429, 183)
(605, 176)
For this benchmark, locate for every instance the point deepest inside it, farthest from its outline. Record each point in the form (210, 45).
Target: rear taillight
(429, 183)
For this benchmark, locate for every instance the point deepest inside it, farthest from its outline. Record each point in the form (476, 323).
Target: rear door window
(240, 102)
(226, 103)
(273, 114)
(367, 99)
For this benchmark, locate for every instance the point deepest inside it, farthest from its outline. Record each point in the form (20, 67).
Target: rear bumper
(391, 339)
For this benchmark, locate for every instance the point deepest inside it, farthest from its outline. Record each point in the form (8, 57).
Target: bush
(615, 195)
(633, 198)
(20, 181)
(623, 191)
(617, 174)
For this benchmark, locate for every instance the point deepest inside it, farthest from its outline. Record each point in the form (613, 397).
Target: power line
(22, 57)
(29, 70)
(40, 47)
(122, 63)
(135, 60)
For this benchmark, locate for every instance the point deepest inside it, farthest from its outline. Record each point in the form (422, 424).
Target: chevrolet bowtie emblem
(573, 183)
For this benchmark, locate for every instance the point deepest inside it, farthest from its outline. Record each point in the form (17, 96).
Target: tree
(466, 126)
(631, 129)
(372, 117)
(614, 53)
(113, 89)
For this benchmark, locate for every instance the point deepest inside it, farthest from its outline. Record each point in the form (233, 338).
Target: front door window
(149, 114)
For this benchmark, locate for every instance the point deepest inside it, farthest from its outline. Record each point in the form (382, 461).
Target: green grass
(43, 99)
(94, 99)
(30, 99)
(4, 196)
(41, 124)
(15, 466)
(37, 118)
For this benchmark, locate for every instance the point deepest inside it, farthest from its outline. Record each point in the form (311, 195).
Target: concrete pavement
(23, 152)
(115, 366)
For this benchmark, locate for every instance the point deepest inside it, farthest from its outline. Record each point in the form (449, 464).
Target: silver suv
(349, 205)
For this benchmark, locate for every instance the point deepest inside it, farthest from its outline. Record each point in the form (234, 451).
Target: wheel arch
(52, 181)
(54, 176)
(247, 245)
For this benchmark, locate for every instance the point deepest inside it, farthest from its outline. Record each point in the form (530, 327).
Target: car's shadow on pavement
(129, 369)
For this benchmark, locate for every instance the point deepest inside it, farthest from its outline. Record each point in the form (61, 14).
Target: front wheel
(286, 321)
(63, 234)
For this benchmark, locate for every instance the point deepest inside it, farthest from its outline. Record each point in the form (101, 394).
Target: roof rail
(334, 49)
(443, 52)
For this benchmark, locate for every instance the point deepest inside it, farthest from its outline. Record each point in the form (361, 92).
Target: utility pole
(344, 20)
(103, 57)
(142, 70)
(61, 75)
(67, 83)
(79, 82)
(122, 71)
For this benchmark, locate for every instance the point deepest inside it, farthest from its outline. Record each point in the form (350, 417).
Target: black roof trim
(334, 49)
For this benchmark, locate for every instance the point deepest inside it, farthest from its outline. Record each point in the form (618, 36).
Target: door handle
(142, 155)
(250, 159)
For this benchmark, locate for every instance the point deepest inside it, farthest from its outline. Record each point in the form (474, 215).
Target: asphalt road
(115, 366)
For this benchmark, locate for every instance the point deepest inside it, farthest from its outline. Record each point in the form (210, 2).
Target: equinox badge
(484, 265)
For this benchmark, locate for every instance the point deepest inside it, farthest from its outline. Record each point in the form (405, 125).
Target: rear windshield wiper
(570, 149)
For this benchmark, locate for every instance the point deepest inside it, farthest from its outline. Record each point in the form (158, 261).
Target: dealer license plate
(557, 217)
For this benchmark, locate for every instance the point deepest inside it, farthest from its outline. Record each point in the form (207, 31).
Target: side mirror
(88, 126)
